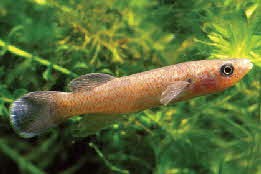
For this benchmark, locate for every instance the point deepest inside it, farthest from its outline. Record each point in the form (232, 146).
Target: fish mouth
(248, 64)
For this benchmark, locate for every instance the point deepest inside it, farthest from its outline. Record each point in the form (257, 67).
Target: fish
(103, 98)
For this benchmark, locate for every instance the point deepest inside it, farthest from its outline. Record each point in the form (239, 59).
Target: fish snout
(247, 64)
(244, 65)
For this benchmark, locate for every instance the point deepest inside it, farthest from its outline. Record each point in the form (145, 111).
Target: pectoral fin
(173, 91)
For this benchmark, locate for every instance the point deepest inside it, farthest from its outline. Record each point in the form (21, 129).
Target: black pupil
(227, 69)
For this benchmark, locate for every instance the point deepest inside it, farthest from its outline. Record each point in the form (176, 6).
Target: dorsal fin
(89, 81)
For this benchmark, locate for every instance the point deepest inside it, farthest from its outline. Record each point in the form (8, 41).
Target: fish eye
(227, 70)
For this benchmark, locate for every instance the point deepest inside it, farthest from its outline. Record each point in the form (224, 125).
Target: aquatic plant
(46, 43)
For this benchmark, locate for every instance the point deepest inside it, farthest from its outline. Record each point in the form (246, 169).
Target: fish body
(106, 95)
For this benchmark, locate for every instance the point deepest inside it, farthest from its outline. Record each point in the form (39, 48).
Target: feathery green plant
(46, 43)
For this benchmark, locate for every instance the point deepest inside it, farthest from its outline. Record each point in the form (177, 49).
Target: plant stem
(23, 163)
(26, 55)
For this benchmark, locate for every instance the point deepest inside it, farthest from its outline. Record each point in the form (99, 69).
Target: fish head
(211, 76)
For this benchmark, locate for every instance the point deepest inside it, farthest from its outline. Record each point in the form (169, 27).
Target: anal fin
(91, 124)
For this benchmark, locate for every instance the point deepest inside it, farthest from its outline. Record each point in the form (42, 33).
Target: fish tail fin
(33, 113)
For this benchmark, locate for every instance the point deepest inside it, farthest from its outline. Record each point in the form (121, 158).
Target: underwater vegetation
(44, 44)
